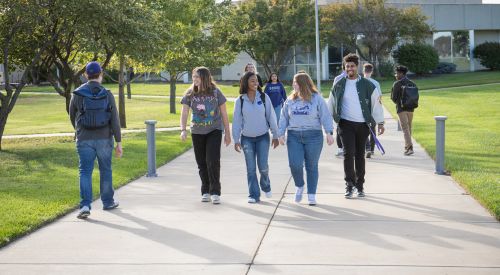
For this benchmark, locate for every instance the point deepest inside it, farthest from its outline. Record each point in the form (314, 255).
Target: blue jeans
(88, 151)
(277, 110)
(305, 146)
(257, 147)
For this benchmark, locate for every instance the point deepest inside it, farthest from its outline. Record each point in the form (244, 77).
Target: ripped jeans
(257, 147)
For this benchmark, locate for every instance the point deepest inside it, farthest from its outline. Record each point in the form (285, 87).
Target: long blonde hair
(207, 84)
(306, 87)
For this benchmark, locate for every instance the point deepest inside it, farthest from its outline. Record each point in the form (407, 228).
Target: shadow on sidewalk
(175, 238)
(370, 228)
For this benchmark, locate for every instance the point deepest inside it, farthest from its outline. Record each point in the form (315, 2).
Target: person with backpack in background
(370, 143)
(94, 116)
(252, 118)
(303, 117)
(250, 67)
(355, 107)
(208, 119)
(404, 94)
(276, 92)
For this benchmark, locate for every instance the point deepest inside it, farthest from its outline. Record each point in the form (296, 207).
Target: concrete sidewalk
(411, 222)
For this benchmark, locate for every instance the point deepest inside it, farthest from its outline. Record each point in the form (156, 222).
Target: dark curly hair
(351, 58)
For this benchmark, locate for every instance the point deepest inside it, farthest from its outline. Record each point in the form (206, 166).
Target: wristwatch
(331, 133)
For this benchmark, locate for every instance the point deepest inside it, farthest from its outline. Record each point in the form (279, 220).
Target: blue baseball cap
(93, 68)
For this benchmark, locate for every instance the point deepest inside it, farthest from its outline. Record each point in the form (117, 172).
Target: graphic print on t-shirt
(302, 109)
(204, 110)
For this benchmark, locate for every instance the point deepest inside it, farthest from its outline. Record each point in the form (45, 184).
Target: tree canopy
(372, 27)
(268, 29)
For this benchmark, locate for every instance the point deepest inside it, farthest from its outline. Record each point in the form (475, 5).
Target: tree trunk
(67, 96)
(121, 93)
(173, 87)
(3, 122)
(129, 89)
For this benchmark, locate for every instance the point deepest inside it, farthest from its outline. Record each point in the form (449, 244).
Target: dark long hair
(271, 76)
(207, 84)
(244, 82)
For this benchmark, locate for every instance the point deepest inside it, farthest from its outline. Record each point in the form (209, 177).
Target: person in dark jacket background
(405, 114)
(97, 141)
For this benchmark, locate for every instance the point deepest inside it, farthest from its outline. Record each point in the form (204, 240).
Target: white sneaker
(269, 194)
(252, 200)
(205, 197)
(84, 212)
(215, 199)
(298, 194)
(340, 152)
(312, 199)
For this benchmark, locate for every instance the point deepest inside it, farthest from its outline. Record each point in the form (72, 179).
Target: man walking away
(94, 116)
(405, 113)
(370, 143)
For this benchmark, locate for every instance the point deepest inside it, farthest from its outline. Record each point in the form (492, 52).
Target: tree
(189, 39)
(93, 30)
(419, 58)
(132, 36)
(81, 25)
(267, 30)
(372, 25)
(21, 27)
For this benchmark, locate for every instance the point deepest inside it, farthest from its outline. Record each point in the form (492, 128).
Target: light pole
(318, 72)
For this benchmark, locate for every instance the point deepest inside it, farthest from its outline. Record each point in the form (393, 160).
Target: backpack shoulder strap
(241, 105)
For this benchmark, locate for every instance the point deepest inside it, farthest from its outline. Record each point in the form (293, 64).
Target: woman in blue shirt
(276, 92)
(304, 115)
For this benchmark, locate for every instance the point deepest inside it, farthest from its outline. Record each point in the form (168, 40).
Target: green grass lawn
(39, 177)
(230, 90)
(472, 137)
(39, 113)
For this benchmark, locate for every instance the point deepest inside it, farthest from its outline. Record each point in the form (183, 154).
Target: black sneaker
(112, 206)
(348, 192)
(369, 154)
(361, 194)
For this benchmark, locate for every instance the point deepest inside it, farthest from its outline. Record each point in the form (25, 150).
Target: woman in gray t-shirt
(209, 118)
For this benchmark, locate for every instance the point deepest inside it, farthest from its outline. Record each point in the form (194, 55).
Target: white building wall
(235, 71)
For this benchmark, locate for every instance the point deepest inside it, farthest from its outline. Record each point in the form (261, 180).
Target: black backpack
(262, 98)
(96, 111)
(409, 96)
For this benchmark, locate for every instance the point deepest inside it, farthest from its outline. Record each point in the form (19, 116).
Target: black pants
(354, 136)
(207, 154)
(370, 143)
(339, 141)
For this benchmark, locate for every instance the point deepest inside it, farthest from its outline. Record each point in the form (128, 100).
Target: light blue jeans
(88, 151)
(257, 147)
(277, 110)
(305, 147)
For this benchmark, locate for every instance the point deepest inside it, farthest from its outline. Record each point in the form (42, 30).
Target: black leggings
(207, 154)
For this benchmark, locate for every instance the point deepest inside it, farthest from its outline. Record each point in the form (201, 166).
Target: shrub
(419, 58)
(386, 69)
(488, 54)
(445, 68)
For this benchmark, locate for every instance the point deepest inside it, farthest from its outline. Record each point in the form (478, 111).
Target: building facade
(459, 25)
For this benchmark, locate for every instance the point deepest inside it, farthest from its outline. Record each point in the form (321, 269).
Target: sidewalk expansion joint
(267, 226)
